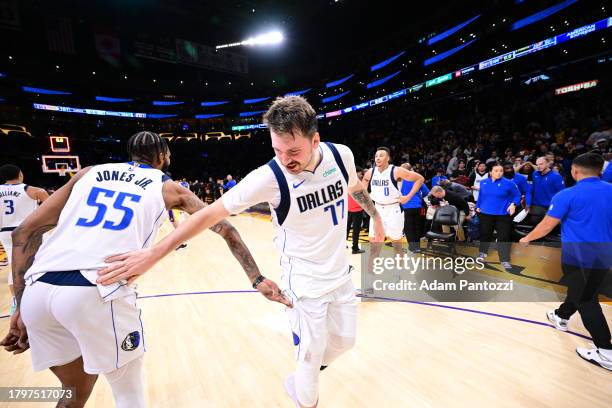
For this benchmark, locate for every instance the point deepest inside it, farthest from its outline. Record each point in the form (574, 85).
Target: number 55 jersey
(309, 213)
(114, 208)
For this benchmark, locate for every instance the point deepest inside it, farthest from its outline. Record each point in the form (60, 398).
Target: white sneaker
(558, 323)
(597, 356)
(289, 385)
(507, 265)
(482, 255)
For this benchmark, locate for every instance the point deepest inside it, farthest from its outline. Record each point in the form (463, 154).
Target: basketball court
(214, 342)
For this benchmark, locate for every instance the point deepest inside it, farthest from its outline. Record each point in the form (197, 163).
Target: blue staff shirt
(435, 180)
(607, 174)
(585, 212)
(417, 200)
(524, 187)
(545, 187)
(496, 196)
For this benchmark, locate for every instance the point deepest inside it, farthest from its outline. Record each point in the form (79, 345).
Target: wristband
(257, 281)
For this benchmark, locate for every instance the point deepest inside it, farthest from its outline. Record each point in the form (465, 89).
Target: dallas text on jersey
(320, 197)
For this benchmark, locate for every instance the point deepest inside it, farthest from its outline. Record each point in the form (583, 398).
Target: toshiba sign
(576, 87)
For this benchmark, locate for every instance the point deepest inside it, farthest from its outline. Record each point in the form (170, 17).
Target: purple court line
(462, 309)
(520, 319)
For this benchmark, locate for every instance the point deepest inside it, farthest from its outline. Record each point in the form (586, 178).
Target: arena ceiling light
(271, 38)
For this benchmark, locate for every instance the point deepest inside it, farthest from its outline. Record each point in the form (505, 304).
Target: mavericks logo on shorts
(131, 341)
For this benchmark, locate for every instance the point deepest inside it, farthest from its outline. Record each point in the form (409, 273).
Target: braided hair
(146, 146)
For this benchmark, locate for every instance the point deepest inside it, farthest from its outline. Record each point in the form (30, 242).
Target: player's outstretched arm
(360, 194)
(408, 175)
(177, 196)
(27, 238)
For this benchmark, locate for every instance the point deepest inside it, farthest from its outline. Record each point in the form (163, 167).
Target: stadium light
(271, 38)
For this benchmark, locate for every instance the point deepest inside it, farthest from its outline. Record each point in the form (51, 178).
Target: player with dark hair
(77, 328)
(17, 201)
(306, 185)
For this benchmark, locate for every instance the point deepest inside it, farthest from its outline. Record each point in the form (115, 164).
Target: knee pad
(127, 384)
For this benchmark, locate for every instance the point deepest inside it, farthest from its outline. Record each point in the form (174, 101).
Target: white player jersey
(383, 186)
(15, 205)
(114, 208)
(477, 181)
(309, 212)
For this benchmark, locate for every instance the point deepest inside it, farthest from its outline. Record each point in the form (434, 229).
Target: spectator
(480, 173)
(230, 182)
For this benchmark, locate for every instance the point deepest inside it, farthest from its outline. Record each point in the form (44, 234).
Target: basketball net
(63, 172)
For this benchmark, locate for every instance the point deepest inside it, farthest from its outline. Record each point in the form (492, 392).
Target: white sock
(128, 384)
(307, 381)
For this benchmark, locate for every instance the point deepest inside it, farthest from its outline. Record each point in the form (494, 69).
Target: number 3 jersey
(15, 205)
(309, 212)
(114, 208)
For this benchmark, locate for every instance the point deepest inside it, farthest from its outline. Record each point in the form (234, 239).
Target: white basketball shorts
(393, 221)
(313, 319)
(65, 322)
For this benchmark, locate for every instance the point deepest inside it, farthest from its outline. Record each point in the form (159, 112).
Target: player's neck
(383, 167)
(13, 181)
(314, 161)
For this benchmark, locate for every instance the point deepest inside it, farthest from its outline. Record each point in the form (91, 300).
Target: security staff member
(521, 183)
(414, 220)
(546, 183)
(496, 203)
(585, 214)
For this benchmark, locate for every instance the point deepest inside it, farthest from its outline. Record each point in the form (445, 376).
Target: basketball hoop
(62, 172)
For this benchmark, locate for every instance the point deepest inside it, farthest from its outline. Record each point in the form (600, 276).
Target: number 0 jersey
(114, 208)
(309, 212)
(383, 186)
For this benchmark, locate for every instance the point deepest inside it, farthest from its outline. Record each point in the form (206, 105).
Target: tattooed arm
(27, 238)
(360, 194)
(177, 196)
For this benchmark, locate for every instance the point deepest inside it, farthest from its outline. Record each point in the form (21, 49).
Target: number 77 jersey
(114, 208)
(309, 212)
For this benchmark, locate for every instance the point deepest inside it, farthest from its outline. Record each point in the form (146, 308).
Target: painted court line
(461, 309)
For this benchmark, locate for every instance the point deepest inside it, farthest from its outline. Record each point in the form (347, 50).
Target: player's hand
(270, 290)
(379, 229)
(524, 241)
(404, 199)
(127, 267)
(16, 340)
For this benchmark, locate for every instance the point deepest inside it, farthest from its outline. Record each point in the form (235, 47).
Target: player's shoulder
(344, 150)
